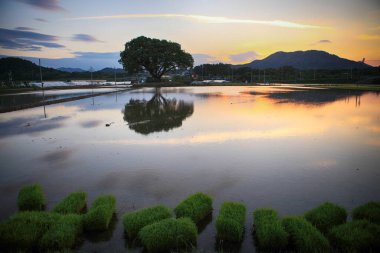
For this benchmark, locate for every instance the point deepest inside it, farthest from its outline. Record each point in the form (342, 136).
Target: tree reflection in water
(156, 115)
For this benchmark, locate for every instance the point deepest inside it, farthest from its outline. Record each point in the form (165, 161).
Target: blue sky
(91, 33)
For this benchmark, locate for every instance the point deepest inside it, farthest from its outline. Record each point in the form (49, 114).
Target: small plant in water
(369, 211)
(196, 207)
(356, 236)
(304, 236)
(169, 234)
(326, 216)
(269, 232)
(134, 221)
(230, 222)
(31, 198)
(63, 233)
(99, 216)
(74, 203)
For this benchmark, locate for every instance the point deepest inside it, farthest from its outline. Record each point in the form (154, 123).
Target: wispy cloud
(26, 41)
(24, 28)
(41, 20)
(243, 57)
(84, 37)
(208, 19)
(50, 5)
(324, 41)
(369, 37)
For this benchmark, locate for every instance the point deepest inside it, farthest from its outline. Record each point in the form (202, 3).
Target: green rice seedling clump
(230, 222)
(169, 234)
(369, 211)
(23, 230)
(134, 221)
(356, 236)
(304, 237)
(31, 198)
(269, 232)
(326, 216)
(99, 216)
(196, 207)
(74, 203)
(63, 233)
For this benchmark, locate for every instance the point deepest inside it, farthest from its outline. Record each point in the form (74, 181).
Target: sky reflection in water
(268, 147)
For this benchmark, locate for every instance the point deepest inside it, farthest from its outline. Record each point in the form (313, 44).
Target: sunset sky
(91, 33)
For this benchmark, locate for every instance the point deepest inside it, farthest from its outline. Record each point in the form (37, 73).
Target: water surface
(289, 149)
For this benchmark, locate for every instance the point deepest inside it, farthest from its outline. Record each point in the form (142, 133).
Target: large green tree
(156, 56)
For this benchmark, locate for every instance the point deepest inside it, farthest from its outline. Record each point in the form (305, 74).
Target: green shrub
(269, 232)
(134, 221)
(24, 229)
(356, 236)
(369, 211)
(169, 234)
(72, 204)
(196, 207)
(326, 216)
(63, 234)
(99, 216)
(304, 236)
(230, 222)
(31, 198)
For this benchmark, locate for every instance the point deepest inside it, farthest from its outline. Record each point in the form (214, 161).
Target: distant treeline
(14, 71)
(285, 74)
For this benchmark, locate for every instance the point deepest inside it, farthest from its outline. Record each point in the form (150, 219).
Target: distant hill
(112, 71)
(311, 59)
(22, 70)
(71, 70)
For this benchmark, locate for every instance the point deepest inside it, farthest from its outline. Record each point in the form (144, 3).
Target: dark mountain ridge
(311, 59)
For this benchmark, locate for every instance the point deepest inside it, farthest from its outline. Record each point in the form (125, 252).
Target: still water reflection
(156, 115)
(285, 148)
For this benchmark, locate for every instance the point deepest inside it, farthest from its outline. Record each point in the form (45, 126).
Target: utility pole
(114, 73)
(251, 77)
(264, 76)
(42, 84)
(259, 75)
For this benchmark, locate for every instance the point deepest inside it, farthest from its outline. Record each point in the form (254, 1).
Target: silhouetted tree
(156, 56)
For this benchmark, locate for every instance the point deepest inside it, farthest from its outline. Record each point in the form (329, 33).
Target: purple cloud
(50, 5)
(85, 38)
(26, 41)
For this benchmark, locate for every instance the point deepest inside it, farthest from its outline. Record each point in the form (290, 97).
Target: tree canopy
(155, 56)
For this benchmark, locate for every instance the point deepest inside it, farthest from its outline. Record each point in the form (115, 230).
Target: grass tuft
(356, 236)
(134, 221)
(230, 222)
(196, 207)
(74, 203)
(269, 232)
(304, 237)
(326, 216)
(169, 234)
(369, 211)
(63, 234)
(23, 230)
(31, 198)
(99, 216)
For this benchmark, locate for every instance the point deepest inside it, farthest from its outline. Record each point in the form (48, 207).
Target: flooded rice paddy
(289, 149)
